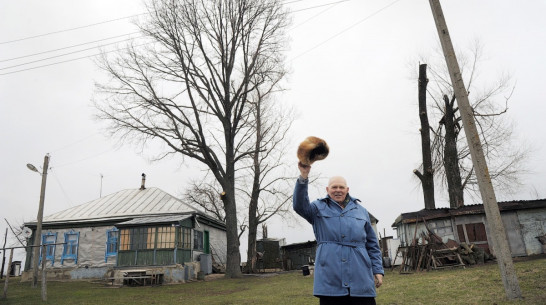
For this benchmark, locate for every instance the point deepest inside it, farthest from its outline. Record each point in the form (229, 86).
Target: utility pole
(38, 233)
(491, 207)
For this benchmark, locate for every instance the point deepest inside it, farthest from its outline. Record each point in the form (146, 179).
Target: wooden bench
(138, 279)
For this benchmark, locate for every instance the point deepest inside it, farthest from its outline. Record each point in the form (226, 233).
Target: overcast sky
(352, 84)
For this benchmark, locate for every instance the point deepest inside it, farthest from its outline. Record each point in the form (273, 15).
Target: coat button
(343, 260)
(342, 215)
(345, 284)
(342, 236)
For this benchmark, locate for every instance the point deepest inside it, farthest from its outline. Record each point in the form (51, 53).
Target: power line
(75, 142)
(319, 13)
(71, 29)
(60, 55)
(83, 57)
(64, 61)
(86, 158)
(99, 23)
(317, 6)
(68, 47)
(346, 29)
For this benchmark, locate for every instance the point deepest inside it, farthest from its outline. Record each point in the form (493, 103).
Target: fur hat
(312, 149)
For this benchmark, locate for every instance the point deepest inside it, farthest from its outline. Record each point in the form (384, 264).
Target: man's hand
(304, 170)
(378, 280)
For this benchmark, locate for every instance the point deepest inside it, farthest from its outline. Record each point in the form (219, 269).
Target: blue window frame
(70, 250)
(112, 237)
(49, 239)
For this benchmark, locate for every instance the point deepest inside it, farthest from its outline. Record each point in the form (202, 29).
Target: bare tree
(427, 176)
(188, 86)
(264, 186)
(268, 192)
(451, 155)
(208, 195)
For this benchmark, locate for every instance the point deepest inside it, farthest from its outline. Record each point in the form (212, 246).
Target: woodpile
(432, 253)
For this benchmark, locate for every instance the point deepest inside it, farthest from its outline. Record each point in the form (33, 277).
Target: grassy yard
(476, 285)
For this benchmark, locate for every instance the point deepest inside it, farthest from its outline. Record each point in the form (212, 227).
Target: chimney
(143, 184)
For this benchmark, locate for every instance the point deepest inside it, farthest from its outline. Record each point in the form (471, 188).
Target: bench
(138, 279)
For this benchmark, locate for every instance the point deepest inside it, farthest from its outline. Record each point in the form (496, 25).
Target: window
(198, 240)
(475, 232)
(49, 239)
(70, 250)
(166, 237)
(112, 236)
(184, 239)
(147, 238)
(137, 239)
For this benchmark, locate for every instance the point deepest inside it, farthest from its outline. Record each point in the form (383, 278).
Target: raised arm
(300, 200)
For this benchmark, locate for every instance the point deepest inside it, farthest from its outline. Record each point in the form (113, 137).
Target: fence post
(7, 275)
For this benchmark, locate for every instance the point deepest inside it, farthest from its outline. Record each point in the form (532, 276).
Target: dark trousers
(346, 300)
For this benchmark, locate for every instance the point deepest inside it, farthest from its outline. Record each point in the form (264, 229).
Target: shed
(299, 254)
(524, 221)
(271, 253)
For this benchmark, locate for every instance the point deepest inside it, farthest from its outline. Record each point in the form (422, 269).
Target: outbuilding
(524, 222)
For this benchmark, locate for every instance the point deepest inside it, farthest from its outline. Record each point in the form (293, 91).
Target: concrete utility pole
(492, 213)
(38, 233)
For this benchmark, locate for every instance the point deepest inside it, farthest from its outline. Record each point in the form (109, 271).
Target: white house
(145, 229)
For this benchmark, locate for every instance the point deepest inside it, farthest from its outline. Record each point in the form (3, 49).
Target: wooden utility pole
(7, 275)
(38, 233)
(44, 276)
(492, 213)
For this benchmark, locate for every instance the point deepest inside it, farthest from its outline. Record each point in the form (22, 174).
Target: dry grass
(476, 285)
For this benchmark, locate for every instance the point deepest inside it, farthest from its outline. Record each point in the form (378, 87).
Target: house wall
(407, 230)
(533, 224)
(218, 243)
(91, 248)
(392, 249)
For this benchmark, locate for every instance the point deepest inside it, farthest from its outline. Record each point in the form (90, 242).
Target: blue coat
(348, 253)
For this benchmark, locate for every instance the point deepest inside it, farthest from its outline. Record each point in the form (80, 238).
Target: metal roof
(122, 205)
(467, 210)
(156, 219)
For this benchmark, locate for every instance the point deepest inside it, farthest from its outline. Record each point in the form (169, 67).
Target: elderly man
(348, 263)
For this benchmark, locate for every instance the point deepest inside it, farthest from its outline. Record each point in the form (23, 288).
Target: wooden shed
(524, 221)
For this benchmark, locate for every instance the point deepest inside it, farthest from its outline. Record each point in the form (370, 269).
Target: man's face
(337, 189)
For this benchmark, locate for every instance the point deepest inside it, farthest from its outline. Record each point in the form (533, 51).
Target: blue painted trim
(111, 240)
(68, 246)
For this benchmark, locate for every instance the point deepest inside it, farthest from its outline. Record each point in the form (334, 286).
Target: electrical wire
(93, 24)
(69, 53)
(346, 29)
(322, 5)
(70, 202)
(65, 61)
(68, 47)
(75, 142)
(71, 29)
(86, 158)
(89, 56)
(318, 14)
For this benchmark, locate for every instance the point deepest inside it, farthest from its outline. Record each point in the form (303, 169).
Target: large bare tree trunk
(451, 159)
(427, 177)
